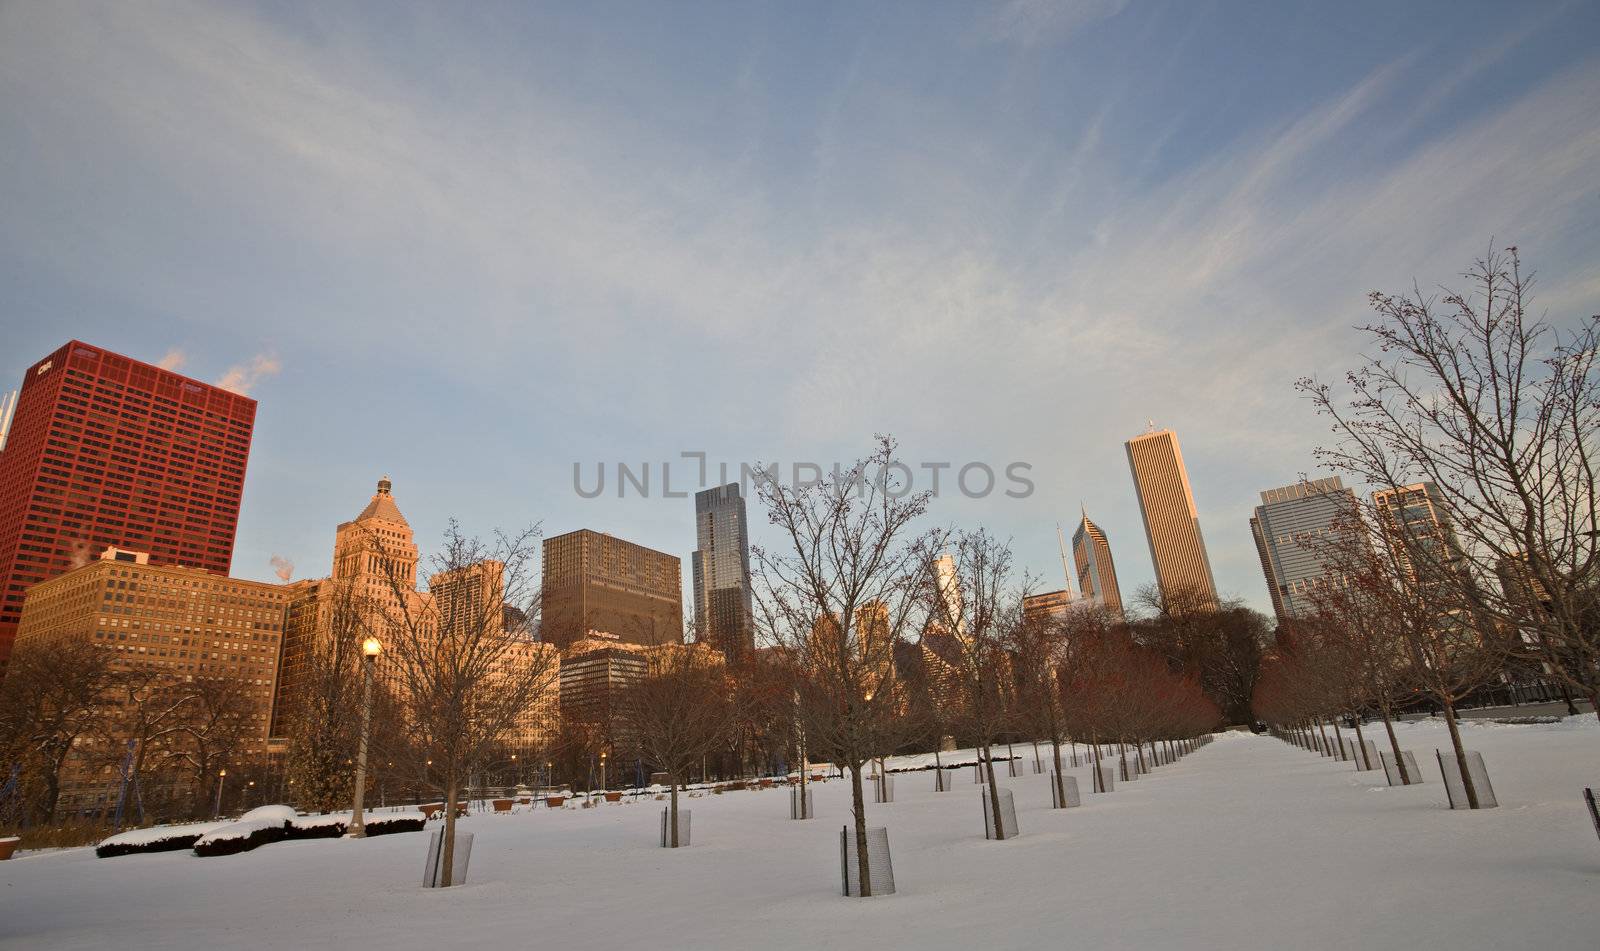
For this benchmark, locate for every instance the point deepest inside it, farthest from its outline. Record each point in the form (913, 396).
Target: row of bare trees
(156, 741)
(1496, 409)
(1473, 421)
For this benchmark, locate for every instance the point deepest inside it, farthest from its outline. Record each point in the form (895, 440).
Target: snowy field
(1247, 844)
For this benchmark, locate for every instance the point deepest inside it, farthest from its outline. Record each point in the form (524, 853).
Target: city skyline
(764, 205)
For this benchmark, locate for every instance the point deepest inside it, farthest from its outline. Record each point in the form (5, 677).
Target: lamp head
(371, 647)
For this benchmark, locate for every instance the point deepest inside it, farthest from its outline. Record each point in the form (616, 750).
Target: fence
(802, 807)
(1456, 790)
(433, 871)
(1064, 794)
(1391, 770)
(666, 827)
(880, 870)
(1008, 815)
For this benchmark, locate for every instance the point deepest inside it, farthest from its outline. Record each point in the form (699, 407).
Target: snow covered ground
(1248, 843)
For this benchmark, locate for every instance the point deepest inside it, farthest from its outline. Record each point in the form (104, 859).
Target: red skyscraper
(104, 450)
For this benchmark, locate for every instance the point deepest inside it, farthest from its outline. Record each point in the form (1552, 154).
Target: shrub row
(187, 837)
(233, 844)
(171, 843)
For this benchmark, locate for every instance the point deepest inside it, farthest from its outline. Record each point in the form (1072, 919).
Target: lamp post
(222, 777)
(370, 649)
(602, 771)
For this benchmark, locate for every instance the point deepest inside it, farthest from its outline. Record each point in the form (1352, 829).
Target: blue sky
(470, 245)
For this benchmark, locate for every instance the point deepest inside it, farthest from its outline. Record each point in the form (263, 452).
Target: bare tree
(52, 698)
(973, 597)
(212, 735)
(1221, 643)
(678, 713)
(466, 680)
(326, 706)
(1499, 411)
(837, 593)
(149, 709)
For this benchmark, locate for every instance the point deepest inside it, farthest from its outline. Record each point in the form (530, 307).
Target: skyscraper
(105, 451)
(1289, 525)
(597, 582)
(1417, 522)
(373, 587)
(1097, 574)
(722, 610)
(1171, 524)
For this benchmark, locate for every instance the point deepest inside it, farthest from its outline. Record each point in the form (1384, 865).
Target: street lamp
(222, 777)
(370, 649)
(602, 770)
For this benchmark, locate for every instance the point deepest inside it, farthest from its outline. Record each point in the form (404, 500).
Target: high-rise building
(185, 624)
(1097, 573)
(1171, 524)
(722, 608)
(106, 451)
(1417, 522)
(1292, 526)
(597, 582)
(374, 570)
(1047, 605)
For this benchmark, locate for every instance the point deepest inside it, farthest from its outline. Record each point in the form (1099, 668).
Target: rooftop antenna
(1061, 540)
(8, 409)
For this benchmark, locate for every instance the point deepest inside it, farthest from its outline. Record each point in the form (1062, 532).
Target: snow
(157, 833)
(1248, 843)
(242, 829)
(280, 813)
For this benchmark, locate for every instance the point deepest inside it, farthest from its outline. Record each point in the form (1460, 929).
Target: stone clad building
(186, 623)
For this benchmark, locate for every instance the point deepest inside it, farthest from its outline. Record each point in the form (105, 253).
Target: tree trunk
(802, 752)
(447, 864)
(994, 794)
(1461, 755)
(672, 813)
(1099, 781)
(1394, 744)
(1361, 747)
(858, 804)
(1322, 732)
(1060, 784)
(1338, 737)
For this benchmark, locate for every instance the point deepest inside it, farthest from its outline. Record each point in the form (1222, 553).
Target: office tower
(105, 451)
(372, 587)
(185, 623)
(596, 582)
(1417, 522)
(1292, 527)
(1171, 524)
(593, 671)
(1097, 573)
(1047, 605)
(722, 610)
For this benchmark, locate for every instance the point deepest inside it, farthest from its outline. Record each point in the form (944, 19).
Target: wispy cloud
(1038, 22)
(896, 268)
(174, 359)
(241, 378)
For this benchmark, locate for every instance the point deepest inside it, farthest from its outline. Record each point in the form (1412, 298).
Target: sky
(470, 246)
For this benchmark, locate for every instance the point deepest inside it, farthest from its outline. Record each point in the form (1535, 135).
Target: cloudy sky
(470, 245)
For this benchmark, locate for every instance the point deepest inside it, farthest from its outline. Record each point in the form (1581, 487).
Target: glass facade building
(722, 605)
